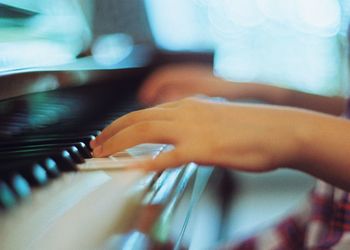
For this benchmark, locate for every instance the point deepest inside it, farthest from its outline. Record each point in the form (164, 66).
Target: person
(247, 137)
(295, 130)
(253, 133)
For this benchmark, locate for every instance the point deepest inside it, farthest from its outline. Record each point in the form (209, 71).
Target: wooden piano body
(123, 209)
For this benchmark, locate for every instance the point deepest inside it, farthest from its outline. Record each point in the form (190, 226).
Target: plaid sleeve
(322, 224)
(286, 235)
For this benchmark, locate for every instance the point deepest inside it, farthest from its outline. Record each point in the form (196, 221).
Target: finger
(176, 103)
(165, 160)
(172, 104)
(169, 93)
(143, 132)
(163, 80)
(128, 120)
(150, 87)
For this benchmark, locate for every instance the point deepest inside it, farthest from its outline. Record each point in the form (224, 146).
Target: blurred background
(254, 40)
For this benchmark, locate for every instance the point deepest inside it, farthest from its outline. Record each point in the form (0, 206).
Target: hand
(244, 137)
(175, 82)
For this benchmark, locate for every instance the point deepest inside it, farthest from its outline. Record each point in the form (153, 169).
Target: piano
(48, 115)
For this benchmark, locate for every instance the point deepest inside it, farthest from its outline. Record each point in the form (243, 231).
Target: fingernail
(97, 151)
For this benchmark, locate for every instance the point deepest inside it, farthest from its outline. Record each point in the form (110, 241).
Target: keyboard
(54, 195)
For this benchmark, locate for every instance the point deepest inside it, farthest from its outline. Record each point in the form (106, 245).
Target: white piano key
(54, 216)
(33, 217)
(123, 160)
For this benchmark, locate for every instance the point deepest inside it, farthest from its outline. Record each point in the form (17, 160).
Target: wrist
(303, 137)
(236, 90)
(310, 138)
(256, 91)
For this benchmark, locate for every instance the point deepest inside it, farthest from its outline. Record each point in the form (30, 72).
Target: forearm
(281, 96)
(329, 105)
(324, 149)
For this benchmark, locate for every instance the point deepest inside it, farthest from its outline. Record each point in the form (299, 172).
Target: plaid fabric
(322, 224)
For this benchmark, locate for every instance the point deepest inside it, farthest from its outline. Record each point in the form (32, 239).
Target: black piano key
(73, 151)
(62, 158)
(48, 164)
(51, 168)
(19, 185)
(75, 154)
(64, 161)
(7, 197)
(82, 148)
(35, 174)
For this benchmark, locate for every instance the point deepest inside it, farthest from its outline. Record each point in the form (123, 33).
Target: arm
(241, 137)
(175, 82)
(286, 97)
(325, 149)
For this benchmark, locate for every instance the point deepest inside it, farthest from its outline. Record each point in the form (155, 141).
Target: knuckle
(144, 127)
(190, 101)
(102, 137)
(132, 115)
(105, 148)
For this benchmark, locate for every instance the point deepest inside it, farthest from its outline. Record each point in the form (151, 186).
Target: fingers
(164, 112)
(169, 93)
(142, 132)
(173, 104)
(128, 120)
(166, 92)
(163, 82)
(175, 81)
(149, 89)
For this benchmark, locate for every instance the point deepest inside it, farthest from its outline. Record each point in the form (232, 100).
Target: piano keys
(47, 203)
(32, 146)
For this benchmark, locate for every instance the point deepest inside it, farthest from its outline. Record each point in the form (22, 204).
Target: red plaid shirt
(323, 224)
